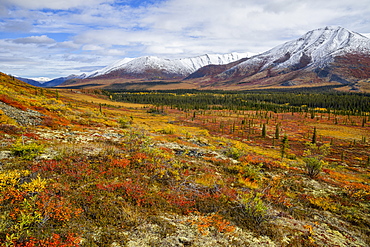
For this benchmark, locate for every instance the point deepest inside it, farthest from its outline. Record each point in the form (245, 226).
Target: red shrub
(11, 102)
(10, 129)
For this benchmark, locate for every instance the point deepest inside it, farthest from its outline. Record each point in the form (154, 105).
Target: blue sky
(44, 38)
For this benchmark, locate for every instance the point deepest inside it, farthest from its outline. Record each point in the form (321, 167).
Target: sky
(54, 38)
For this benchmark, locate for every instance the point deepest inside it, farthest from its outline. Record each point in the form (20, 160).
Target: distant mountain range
(52, 82)
(325, 56)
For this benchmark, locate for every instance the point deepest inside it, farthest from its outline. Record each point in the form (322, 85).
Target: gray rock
(29, 117)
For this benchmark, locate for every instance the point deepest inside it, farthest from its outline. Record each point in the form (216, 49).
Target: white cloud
(160, 49)
(54, 4)
(113, 52)
(92, 48)
(67, 45)
(43, 39)
(15, 26)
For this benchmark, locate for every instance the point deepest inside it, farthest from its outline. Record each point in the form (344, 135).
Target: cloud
(160, 49)
(90, 47)
(54, 4)
(40, 40)
(66, 45)
(88, 68)
(15, 26)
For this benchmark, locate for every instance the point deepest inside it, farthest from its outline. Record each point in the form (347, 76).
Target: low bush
(26, 151)
(313, 166)
(124, 122)
(10, 129)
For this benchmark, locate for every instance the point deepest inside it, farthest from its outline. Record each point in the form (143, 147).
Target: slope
(93, 172)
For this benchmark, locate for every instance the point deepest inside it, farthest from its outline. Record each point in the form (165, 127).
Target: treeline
(339, 103)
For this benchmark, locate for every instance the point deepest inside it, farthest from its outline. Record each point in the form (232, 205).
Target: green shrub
(253, 171)
(124, 122)
(26, 151)
(313, 166)
(169, 130)
(233, 153)
(250, 210)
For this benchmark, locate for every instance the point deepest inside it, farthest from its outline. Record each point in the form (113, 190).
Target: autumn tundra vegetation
(183, 168)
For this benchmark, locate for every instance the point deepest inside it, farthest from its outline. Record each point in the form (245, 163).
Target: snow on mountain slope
(315, 49)
(41, 79)
(109, 68)
(183, 66)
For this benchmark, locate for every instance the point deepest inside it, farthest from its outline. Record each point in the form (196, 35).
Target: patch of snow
(41, 79)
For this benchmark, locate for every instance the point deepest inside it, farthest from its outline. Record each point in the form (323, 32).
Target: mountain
(57, 81)
(47, 82)
(41, 79)
(152, 67)
(213, 69)
(321, 55)
(30, 81)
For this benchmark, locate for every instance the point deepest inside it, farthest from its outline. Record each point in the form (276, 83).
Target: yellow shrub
(11, 178)
(36, 185)
(4, 119)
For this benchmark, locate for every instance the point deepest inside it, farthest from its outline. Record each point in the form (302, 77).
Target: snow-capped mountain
(47, 82)
(175, 67)
(315, 49)
(41, 79)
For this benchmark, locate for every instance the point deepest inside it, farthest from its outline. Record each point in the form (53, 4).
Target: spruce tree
(264, 130)
(277, 131)
(284, 146)
(314, 136)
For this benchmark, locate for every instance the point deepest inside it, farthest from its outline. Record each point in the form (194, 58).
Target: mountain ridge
(174, 67)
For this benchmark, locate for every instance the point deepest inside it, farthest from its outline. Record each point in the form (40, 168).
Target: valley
(91, 167)
(167, 123)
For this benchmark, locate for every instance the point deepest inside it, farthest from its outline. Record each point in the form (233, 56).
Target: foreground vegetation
(91, 171)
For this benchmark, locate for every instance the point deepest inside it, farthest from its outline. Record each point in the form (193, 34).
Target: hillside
(93, 168)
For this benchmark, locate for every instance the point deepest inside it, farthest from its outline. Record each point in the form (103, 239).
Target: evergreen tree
(284, 146)
(277, 131)
(264, 130)
(314, 136)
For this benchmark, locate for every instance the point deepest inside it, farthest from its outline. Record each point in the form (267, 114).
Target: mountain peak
(333, 31)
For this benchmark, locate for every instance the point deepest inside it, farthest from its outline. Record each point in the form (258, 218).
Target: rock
(5, 154)
(29, 117)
